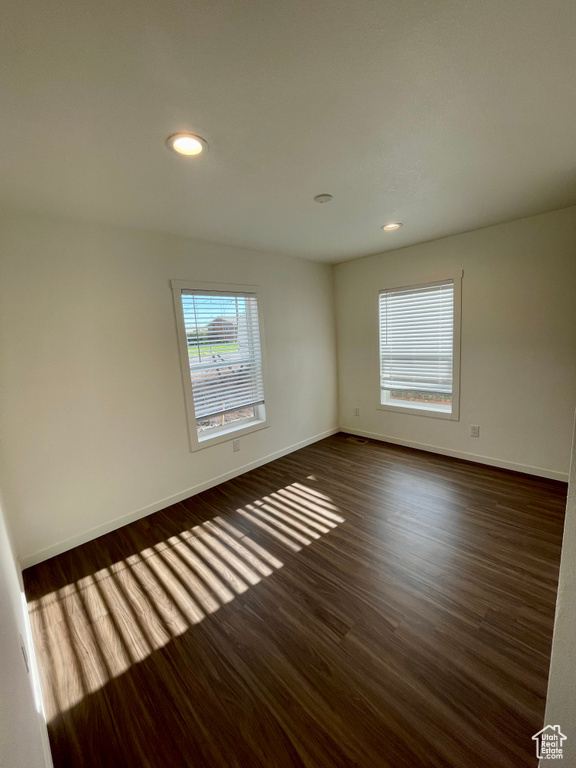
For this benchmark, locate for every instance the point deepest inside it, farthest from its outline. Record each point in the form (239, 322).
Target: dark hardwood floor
(348, 605)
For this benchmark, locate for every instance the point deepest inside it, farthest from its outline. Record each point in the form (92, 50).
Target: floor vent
(361, 440)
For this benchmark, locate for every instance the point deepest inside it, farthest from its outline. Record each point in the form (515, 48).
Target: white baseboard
(539, 471)
(32, 665)
(118, 522)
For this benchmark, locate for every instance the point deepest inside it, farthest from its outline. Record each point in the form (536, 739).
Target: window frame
(454, 414)
(226, 432)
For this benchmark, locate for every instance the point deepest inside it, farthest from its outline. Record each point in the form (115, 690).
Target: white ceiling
(447, 115)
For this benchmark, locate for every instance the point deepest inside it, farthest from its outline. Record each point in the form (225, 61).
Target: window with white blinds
(417, 347)
(223, 360)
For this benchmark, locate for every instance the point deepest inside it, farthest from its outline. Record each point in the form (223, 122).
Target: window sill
(421, 410)
(228, 433)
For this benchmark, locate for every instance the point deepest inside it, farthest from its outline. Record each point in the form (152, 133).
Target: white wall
(518, 378)
(561, 698)
(91, 398)
(23, 735)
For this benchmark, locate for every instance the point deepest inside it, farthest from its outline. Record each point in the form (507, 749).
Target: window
(420, 348)
(221, 354)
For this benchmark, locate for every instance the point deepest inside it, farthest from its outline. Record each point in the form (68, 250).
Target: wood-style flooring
(347, 605)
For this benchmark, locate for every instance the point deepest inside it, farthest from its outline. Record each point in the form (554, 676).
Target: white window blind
(417, 338)
(224, 353)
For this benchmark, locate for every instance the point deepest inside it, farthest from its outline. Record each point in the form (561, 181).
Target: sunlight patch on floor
(116, 617)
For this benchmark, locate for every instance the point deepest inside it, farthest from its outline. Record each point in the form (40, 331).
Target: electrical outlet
(474, 430)
(236, 445)
(356, 411)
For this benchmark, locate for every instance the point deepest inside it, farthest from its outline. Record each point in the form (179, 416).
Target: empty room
(287, 384)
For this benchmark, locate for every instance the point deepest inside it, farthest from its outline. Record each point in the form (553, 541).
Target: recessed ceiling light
(186, 144)
(323, 198)
(390, 227)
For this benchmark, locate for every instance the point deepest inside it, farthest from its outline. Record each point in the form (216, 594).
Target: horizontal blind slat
(224, 353)
(416, 338)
